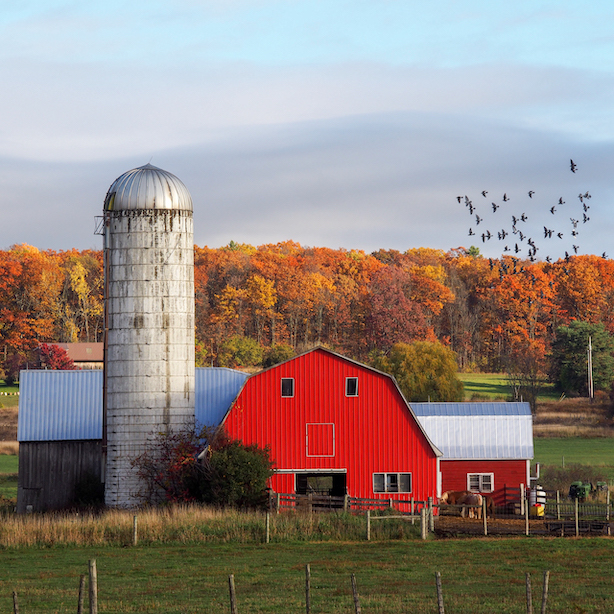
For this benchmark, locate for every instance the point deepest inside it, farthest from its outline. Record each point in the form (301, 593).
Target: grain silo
(149, 320)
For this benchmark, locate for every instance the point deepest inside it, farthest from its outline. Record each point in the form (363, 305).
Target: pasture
(392, 577)
(495, 387)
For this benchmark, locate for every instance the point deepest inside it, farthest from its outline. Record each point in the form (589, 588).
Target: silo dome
(147, 187)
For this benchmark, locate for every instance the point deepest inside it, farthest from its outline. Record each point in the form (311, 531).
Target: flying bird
(561, 201)
(471, 232)
(459, 198)
(495, 207)
(552, 209)
(484, 192)
(573, 166)
(523, 218)
(478, 219)
(505, 198)
(531, 192)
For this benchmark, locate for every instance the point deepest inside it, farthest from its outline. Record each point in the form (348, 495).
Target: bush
(205, 467)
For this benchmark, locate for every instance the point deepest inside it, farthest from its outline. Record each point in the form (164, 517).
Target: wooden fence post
(357, 607)
(431, 517)
(345, 502)
(529, 597)
(93, 587)
(134, 531)
(267, 527)
(545, 591)
(15, 604)
(423, 527)
(233, 596)
(484, 516)
(522, 502)
(278, 502)
(526, 518)
(607, 508)
(368, 519)
(439, 593)
(558, 505)
(412, 509)
(576, 514)
(81, 594)
(307, 589)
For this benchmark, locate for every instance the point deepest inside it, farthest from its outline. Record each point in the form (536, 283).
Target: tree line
(256, 303)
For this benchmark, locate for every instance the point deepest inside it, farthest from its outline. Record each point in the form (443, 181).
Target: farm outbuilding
(335, 426)
(60, 436)
(60, 429)
(487, 447)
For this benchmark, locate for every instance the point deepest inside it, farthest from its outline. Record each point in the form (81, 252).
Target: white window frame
(331, 424)
(490, 477)
(287, 396)
(347, 380)
(387, 476)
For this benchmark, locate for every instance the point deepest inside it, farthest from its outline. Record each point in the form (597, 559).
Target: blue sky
(344, 124)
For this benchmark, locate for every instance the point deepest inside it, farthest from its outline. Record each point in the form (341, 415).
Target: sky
(346, 124)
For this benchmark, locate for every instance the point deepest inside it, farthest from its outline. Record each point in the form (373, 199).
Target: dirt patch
(453, 526)
(8, 424)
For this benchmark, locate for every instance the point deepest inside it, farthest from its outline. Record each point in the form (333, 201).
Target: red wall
(373, 432)
(508, 473)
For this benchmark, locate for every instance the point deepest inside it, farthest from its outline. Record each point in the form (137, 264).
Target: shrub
(240, 352)
(205, 467)
(277, 353)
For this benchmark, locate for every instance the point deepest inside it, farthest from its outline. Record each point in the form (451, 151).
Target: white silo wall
(149, 369)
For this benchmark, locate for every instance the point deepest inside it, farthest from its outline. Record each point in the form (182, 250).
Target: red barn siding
(373, 432)
(507, 473)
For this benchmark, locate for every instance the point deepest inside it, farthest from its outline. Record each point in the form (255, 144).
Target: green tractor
(580, 490)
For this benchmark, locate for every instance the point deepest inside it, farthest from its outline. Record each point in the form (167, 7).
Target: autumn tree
(425, 371)
(54, 357)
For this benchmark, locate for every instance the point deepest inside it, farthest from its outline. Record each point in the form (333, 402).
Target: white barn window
(392, 482)
(481, 482)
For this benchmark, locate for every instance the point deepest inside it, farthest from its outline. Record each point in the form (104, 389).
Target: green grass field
(392, 577)
(9, 465)
(595, 452)
(495, 387)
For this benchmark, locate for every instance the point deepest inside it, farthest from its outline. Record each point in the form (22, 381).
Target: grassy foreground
(478, 576)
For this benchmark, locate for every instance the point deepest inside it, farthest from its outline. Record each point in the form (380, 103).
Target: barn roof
(60, 405)
(67, 405)
(472, 431)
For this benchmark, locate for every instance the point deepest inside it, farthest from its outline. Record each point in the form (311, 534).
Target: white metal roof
(471, 431)
(148, 187)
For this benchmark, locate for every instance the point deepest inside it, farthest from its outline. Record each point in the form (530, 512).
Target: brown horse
(465, 498)
(474, 502)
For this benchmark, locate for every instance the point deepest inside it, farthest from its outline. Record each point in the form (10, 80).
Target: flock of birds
(516, 237)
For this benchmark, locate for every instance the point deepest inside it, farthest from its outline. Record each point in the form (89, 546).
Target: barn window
(351, 386)
(392, 482)
(287, 386)
(480, 482)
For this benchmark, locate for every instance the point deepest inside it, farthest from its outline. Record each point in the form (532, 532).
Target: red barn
(335, 426)
(487, 447)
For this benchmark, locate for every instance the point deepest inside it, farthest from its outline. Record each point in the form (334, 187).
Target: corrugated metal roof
(216, 388)
(148, 187)
(478, 430)
(60, 405)
(471, 409)
(67, 405)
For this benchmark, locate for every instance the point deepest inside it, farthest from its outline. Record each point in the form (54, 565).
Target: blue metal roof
(67, 405)
(216, 388)
(471, 409)
(60, 405)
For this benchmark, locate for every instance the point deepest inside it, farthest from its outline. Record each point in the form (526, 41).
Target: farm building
(60, 429)
(335, 426)
(487, 447)
(85, 355)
